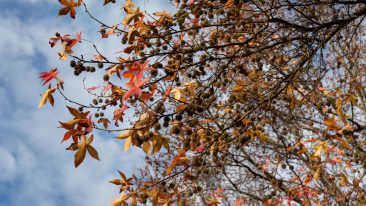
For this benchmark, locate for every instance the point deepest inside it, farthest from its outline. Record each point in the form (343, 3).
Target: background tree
(235, 102)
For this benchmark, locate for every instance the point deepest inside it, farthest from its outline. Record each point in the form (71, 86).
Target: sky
(35, 169)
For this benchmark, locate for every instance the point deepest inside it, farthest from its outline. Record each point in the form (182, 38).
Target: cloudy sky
(35, 169)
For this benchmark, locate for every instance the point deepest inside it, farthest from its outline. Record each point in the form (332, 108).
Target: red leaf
(106, 88)
(72, 42)
(167, 92)
(106, 34)
(67, 135)
(118, 114)
(239, 202)
(137, 70)
(200, 148)
(147, 95)
(135, 89)
(92, 88)
(48, 76)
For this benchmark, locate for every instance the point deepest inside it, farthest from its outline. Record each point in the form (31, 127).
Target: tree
(236, 102)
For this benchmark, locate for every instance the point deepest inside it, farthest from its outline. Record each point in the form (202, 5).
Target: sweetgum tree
(235, 102)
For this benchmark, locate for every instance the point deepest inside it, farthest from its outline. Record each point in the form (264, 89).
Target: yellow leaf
(128, 6)
(176, 92)
(127, 144)
(319, 148)
(73, 122)
(131, 16)
(163, 13)
(44, 98)
(339, 110)
(124, 135)
(318, 172)
(237, 88)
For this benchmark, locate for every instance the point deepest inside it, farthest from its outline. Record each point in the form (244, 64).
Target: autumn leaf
(79, 156)
(65, 50)
(124, 135)
(128, 6)
(146, 147)
(181, 153)
(105, 122)
(93, 153)
(123, 181)
(47, 95)
(74, 112)
(99, 57)
(319, 148)
(132, 15)
(147, 95)
(92, 88)
(106, 88)
(118, 114)
(128, 144)
(73, 42)
(106, 34)
(331, 123)
(239, 202)
(53, 40)
(200, 148)
(176, 92)
(137, 70)
(164, 16)
(135, 88)
(317, 173)
(121, 201)
(48, 76)
(69, 7)
(212, 201)
(82, 147)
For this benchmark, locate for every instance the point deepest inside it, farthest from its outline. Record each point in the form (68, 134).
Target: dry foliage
(237, 102)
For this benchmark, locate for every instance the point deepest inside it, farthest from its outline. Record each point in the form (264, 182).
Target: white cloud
(7, 165)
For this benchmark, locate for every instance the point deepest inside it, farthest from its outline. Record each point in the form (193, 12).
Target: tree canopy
(234, 102)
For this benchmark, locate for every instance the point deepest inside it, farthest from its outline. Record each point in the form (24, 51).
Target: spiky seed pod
(72, 63)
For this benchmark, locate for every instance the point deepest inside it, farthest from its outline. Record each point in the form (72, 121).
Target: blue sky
(35, 169)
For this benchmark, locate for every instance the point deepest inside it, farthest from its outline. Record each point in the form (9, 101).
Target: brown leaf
(73, 147)
(105, 122)
(79, 156)
(69, 7)
(50, 99)
(92, 152)
(146, 147)
(116, 181)
(64, 11)
(74, 112)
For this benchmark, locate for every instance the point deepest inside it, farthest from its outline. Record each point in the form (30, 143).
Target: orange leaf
(69, 7)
